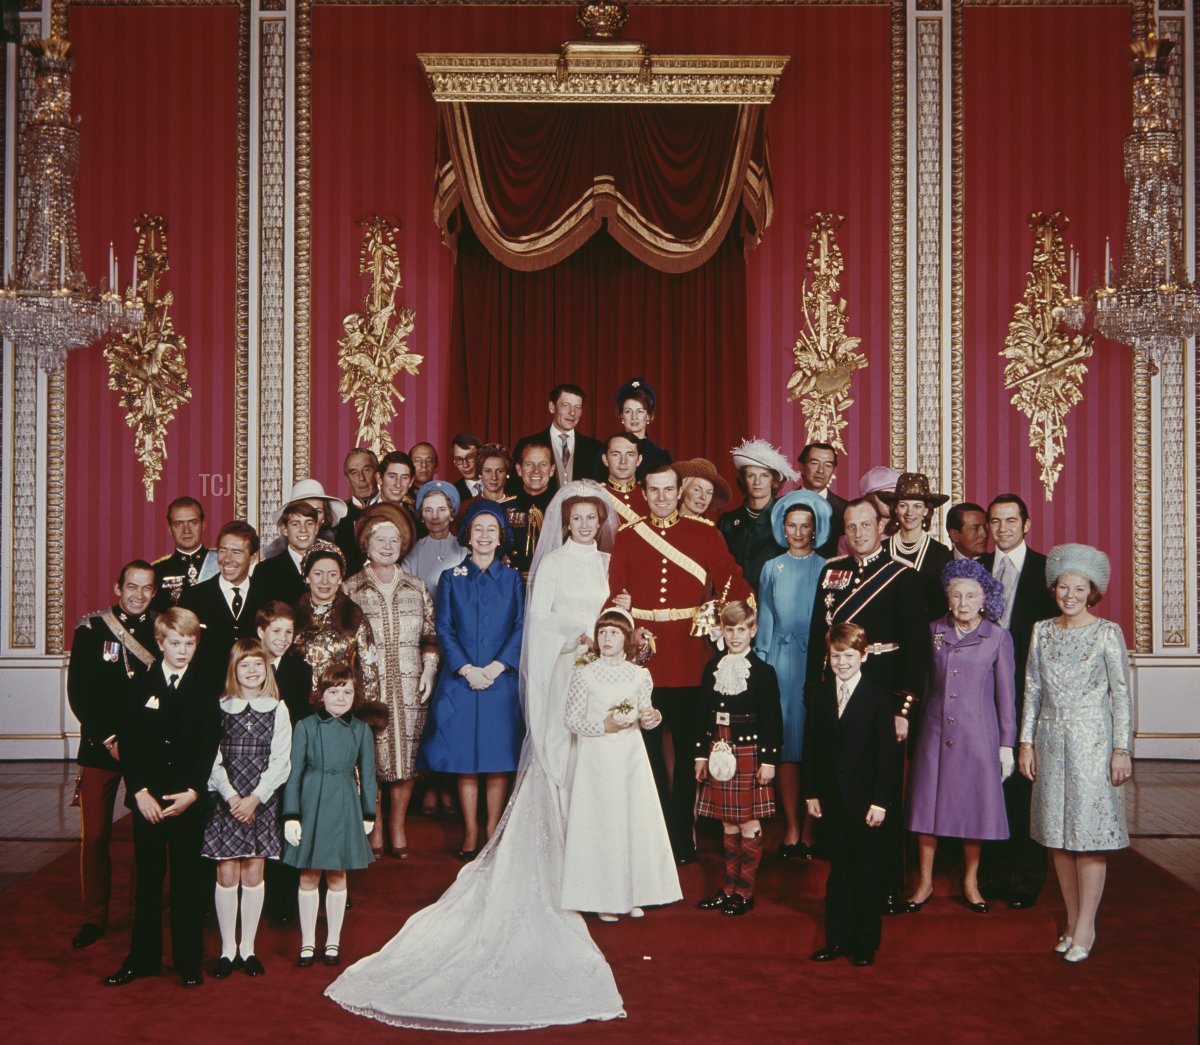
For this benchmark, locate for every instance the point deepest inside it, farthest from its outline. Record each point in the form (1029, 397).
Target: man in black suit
(818, 462)
(574, 455)
(279, 576)
(967, 528)
(464, 453)
(177, 572)
(168, 740)
(850, 768)
(226, 603)
(111, 649)
(1016, 868)
(361, 469)
(887, 598)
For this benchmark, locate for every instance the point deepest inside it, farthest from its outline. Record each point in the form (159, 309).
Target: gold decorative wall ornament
(375, 347)
(1045, 361)
(824, 354)
(148, 365)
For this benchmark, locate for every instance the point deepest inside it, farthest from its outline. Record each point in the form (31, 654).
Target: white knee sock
(252, 905)
(308, 901)
(226, 904)
(335, 911)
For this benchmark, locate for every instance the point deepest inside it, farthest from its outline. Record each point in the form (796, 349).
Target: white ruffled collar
(236, 705)
(733, 674)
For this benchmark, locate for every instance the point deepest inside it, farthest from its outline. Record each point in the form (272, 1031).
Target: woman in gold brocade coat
(399, 611)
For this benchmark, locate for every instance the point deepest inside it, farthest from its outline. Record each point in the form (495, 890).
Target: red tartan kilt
(740, 799)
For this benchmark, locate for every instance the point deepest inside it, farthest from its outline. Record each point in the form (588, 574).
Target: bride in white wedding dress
(496, 951)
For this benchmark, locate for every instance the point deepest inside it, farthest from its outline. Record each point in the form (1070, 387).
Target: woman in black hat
(912, 504)
(636, 403)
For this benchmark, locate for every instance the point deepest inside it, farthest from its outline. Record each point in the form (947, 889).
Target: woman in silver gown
(496, 951)
(1075, 738)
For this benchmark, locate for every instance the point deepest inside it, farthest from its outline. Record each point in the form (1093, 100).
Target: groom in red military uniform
(663, 569)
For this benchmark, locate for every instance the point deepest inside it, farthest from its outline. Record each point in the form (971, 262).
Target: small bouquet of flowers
(624, 713)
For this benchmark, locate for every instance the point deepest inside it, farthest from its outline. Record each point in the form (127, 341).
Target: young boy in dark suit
(168, 740)
(849, 763)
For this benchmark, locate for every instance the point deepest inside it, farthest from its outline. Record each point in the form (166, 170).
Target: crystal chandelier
(1152, 305)
(49, 305)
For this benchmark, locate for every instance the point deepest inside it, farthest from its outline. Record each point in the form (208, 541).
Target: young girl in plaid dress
(243, 829)
(741, 706)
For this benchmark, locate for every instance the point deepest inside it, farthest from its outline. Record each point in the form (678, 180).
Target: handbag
(722, 762)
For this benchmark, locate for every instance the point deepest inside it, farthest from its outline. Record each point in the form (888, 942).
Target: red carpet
(686, 975)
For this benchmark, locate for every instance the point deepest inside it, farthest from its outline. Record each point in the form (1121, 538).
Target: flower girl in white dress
(618, 854)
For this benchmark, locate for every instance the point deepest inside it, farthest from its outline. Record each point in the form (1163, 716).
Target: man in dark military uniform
(111, 648)
(178, 571)
(526, 511)
(887, 598)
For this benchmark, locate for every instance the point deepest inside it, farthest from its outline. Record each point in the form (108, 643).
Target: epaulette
(86, 620)
(632, 522)
(162, 558)
(699, 519)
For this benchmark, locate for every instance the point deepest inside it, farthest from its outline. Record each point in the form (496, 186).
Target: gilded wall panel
(898, 238)
(302, 263)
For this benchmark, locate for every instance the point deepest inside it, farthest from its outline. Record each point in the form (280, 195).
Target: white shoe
(1076, 954)
(608, 917)
(637, 912)
(1063, 945)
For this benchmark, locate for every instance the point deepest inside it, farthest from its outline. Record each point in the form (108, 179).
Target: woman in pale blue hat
(437, 505)
(1076, 733)
(787, 586)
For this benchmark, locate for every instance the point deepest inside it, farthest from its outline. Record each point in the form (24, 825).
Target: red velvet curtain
(683, 192)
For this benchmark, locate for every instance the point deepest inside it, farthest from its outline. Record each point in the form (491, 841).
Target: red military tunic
(631, 502)
(658, 586)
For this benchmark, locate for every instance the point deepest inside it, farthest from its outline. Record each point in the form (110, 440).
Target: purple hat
(878, 478)
(970, 570)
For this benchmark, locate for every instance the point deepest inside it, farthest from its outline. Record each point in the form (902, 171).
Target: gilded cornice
(596, 76)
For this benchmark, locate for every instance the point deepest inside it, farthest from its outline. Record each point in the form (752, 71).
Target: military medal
(838, 580)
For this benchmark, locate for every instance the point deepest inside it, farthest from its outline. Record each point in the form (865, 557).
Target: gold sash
(668, 551)
(125, 638)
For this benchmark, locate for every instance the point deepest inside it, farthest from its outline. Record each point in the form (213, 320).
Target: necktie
(843, 697)
(171, 683)
(237, 603)
(565, 441)
(1007, 576)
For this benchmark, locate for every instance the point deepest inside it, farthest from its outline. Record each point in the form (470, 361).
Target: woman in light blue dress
(786, 589)
(1076, 732)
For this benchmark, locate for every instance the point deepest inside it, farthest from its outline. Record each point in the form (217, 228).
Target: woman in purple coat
(964, 748)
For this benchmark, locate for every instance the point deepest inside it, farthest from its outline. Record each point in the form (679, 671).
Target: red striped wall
(1046, 110)
(156, 93)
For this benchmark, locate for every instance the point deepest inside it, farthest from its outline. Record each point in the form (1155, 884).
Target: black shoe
(978, 908)
(827, 953)
(863, 958)
(192, 979)
(88, 934)
(349, 901)
(308, 955)
(795, 851)
(1021, 901)
(125, 974)
(222, 968)
(737, 905)
(894, 904)
(467, 855)
(685, 858)
(714, 902)
(913, 907)
(252, 966)
(331, 955)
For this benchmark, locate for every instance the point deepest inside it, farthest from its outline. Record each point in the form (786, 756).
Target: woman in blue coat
(475, 723)
(964, 747)
(787, 588)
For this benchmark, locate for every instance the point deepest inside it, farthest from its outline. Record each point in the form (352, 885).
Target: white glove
(1006, 763)
(368, 826)
(475, 677)
(425, 686)
(292, 832)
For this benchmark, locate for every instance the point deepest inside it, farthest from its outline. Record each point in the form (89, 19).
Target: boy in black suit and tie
(168, 737)
(849, 762)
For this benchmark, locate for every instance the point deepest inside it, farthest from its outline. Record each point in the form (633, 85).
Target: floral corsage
(624, 713)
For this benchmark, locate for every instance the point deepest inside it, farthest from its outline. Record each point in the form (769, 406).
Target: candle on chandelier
(1107, 263)
(134, 292)
(112, 283)
(62, 262)
(1078, 263)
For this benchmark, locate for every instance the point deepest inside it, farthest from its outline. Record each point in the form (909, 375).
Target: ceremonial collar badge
(838, 579)
(664, 524)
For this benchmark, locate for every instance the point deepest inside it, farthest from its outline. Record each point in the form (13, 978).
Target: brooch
(460, 571)
(938, 639)
(779, 567)
(837, 579)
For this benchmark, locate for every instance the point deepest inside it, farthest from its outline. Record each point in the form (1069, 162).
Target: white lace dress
(497, 951)
(618, 854)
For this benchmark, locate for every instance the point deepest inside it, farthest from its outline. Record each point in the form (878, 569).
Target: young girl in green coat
(327, 816)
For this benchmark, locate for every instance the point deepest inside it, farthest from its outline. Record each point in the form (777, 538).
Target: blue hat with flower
(446, 489)
(478, 506)
(815, 503)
